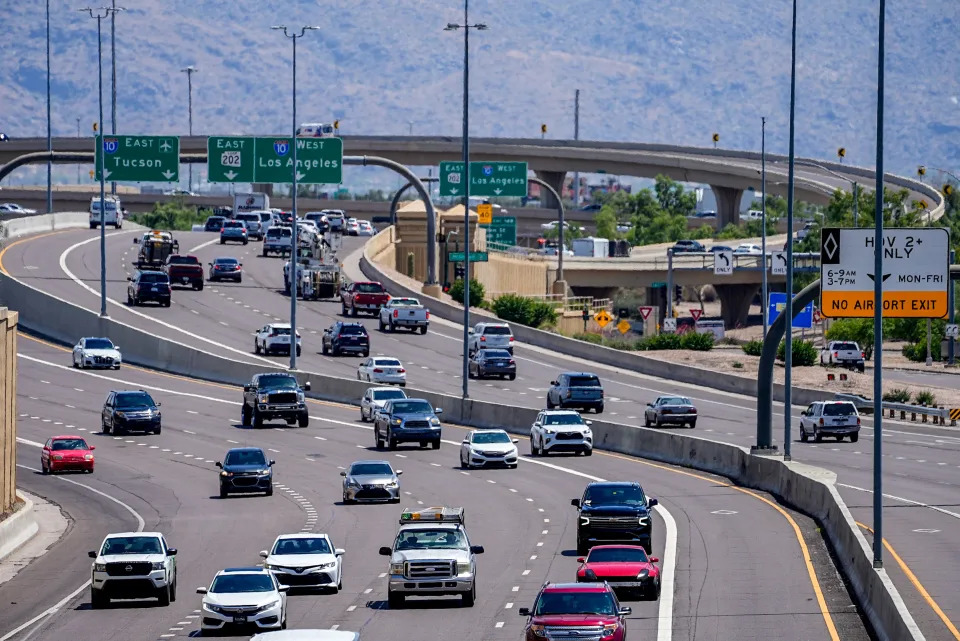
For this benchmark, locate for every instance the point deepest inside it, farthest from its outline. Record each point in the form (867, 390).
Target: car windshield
(99, 343)
(311, 545)
(278, 381)
(353, 329)
(675, 400)
(133, 399)
(153, 278)
(495, 353)
(498, 330)
(233, 583)
(412, 407)
(839, 409)
(584, 381)
(280, 331)
(233, 224)
(570, 418)
(431, 540)
(575, 603)
(846, 346)
(363, 469)
(69, 444)
(388, 394)
(245, 457)
(227, 261)
(626, 555)
(131, 545)
(279, 232)
(615, 495)
(387, 362)
(491, 437)
(370, 288)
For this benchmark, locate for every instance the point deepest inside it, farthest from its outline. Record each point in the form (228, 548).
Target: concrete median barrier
(40, 223)
(18, 528)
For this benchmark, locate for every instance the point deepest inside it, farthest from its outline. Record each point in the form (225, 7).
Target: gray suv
(407, 420)
(579, 390)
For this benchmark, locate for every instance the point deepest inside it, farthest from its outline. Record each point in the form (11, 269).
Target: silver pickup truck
(404, 312)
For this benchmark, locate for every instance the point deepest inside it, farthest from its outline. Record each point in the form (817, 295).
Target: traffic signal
(458, 271)
(678, 293)
(91, 174)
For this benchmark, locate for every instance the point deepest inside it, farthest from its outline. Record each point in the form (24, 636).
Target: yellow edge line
(919, 586)
(23, 240)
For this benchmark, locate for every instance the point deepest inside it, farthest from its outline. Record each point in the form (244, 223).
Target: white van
(112, 212)
(315, 130)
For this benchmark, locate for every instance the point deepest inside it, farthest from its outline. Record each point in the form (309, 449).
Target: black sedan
(492, 362)
(225, 268)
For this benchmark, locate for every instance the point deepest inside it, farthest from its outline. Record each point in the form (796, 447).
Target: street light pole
(113, 76)
(466, 26)
(78, 166)
(788, 336)
(189, 71)
(576, 136)
(763, 219)
(49, 135)
(295, 232)
(99, 15)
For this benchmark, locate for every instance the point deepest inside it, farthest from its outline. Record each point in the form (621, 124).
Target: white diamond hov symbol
(830, 246)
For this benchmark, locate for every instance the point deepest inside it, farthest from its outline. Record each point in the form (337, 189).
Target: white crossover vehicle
(132, 565)
(560, 431)
(96, 352)
(243, 597)
(307, 635)
(382, 369)
(488, 447)
(273, 338)
(374, 399)
(305, 561)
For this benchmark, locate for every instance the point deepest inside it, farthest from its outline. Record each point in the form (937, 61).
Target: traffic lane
(303, 463)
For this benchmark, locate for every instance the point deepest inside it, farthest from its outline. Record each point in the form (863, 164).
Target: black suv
(274, 396)
(245, 469)
(129, 410)
(346, 337)
(147, 286)
(614, 512)
(214, 223)
(685, 246)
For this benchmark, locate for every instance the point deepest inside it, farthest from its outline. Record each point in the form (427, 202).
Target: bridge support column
(728, 205)
(555, 179)
(735, 303)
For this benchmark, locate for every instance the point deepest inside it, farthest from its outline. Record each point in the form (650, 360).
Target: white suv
(274, 337)
(830, 418)
(560, 431)
(490, 336)
(131, 565)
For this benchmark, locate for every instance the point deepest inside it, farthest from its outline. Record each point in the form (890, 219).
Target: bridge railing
(566, 303)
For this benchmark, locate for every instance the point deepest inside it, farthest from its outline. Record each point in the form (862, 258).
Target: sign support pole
(669, 283)
(788, 336)
(951, 293)
(878, 318)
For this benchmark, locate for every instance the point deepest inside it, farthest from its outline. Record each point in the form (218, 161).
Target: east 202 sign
(486, 178)
(270, 160)
(915, 278)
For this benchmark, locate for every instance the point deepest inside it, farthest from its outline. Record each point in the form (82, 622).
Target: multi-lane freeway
(921, 462)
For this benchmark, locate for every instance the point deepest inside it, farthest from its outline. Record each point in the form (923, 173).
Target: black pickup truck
(274, 396)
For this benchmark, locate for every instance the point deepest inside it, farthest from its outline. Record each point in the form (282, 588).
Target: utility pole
(113, 76)
(49, 134)
(576, 136)
(788, 336)
(189, 71)
(763, 221)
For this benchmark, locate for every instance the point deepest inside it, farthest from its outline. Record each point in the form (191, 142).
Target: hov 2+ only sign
(138, 158)
(915, 278)
(245, 159)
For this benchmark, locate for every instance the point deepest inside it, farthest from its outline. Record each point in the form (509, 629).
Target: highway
(921, 462)
(726, 586)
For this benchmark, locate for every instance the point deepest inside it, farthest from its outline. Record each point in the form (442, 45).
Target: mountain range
(648, 71)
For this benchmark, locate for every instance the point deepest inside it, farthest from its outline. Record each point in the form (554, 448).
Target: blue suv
(244, 470)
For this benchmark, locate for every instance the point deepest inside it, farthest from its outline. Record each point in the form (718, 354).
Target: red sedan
(627, 569)
(62, 453)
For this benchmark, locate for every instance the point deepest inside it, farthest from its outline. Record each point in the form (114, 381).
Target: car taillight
(483, 339)
(513, 362)
(858, 420)
(836, 354)
(569, 394)
(272, 334)
(402, 371)
(692, 410)
(378, 371)
(511, 339)
(821, 421)
(428, 314)
(396, 313)
(863, 354)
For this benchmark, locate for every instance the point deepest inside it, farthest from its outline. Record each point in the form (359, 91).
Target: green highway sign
(503, 230)
(319, 160)
(486, 178)
(230, 159)
(475, 257)
(138, 158)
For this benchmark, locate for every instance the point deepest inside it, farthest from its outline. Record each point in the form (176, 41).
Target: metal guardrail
(939, 414)
(563, 303)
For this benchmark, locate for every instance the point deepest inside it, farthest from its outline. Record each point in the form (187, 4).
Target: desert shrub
(925, 397)
(804, 353)
(697, 342)
(752, 348)
(477, 292)
(897, 395)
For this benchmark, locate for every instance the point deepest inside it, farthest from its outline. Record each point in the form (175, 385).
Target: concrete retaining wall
(17, 529)
(43, 223)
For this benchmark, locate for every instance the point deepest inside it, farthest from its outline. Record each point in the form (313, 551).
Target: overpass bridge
(728, 172)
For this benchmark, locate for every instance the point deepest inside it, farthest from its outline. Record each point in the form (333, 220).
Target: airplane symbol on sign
(166, 146)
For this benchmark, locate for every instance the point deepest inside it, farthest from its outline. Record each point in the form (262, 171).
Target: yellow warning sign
(853, 304)
(602, 318)
(623, 326)
(485, 212)
(954, 414)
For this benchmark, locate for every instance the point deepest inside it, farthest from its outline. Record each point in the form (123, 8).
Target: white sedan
(488, 447)
(748, 248)
(382, 369)
(553, 224)
(245, 597)
(305, 560)
(365, 228)
(96, 352)
(14, 208)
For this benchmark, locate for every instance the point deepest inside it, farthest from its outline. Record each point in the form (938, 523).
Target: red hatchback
(626, 568)
(576, 611)
(62, 453)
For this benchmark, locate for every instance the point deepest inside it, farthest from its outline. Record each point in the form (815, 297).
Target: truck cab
(275, 395)
(432, 556)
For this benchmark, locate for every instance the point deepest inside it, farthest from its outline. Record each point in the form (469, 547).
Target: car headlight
(353, 483)
(211, 607)
(121, 415)
(326, 566)
(100, 567)
(267, 566)
(538, 630)
(88, 457)
(269, 606)
(396, 568)
(435, 421)
(264, 471)
(463, 567)
(609, 630)
(643, 574)
(397, 421)
(548, 430)
(157, 565)
(392, 485)
(57, 457)
(263, 398)
(226, 473)
(584, 520)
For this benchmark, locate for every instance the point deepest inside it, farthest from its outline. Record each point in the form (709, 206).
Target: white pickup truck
(843, 353)
(404, 312)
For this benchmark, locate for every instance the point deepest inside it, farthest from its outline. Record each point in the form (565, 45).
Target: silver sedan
(371, 481)
(675, 410)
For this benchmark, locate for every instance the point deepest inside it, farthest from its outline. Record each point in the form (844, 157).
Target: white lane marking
(73, 277)
(192, 412)
(515, 588)
(525, 573)
(193, 250)
(499, 624)
(368, 591)
(65, 600)
(189, 432)
(508, 606)
(533, 558)
(901, 499)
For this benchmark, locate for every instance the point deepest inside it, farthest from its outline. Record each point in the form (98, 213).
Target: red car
(62, 453)
(576, 610)
(626, 568)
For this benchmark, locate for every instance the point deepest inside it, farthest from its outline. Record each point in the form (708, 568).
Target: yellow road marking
(23, 240)
(919, 586)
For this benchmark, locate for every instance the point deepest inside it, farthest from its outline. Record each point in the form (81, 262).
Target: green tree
(672, 198)
(606, 221)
